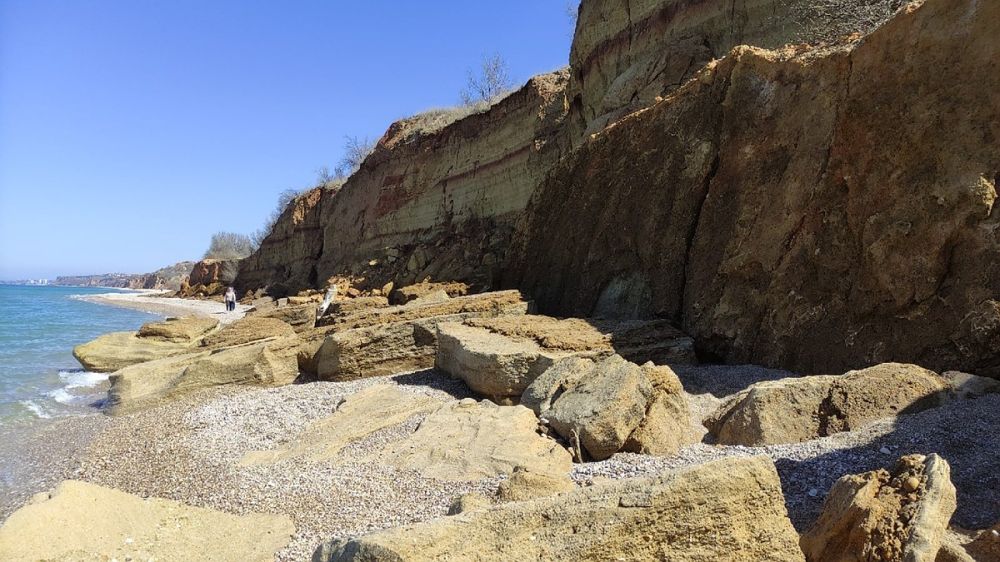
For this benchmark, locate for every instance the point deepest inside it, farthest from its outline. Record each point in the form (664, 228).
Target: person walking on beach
(230, 299)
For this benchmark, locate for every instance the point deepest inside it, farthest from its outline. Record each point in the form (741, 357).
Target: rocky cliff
(427, 202)
(816, 208)
(626, 53)
(811, 208)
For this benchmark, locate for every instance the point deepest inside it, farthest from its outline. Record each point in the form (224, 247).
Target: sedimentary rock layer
(463, 184)
(817, 209)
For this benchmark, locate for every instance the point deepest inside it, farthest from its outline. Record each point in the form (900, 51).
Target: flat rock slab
(265, 363)
(117, 350)
(248, 329)
(727, 510)
(179, 330)
(468, 441)
(495, 304)
(359, 416)
(81, 521)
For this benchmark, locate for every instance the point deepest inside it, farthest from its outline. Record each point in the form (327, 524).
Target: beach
(153, 302)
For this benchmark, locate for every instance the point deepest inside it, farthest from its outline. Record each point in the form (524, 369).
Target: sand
(153, 301)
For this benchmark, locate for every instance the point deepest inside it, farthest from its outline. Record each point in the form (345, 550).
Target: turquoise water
(39, 378)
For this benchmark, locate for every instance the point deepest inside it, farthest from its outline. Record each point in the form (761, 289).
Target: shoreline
(147, 301)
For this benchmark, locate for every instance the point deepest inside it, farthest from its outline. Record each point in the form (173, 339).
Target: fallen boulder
(187, 329)
(612, 405)
(793, 410)
(301, 317)
(894, 516)
(81, 521)
(383, 341)
(470, 440)
(360, 415)
(269, 362)
(726, 510)
(246, 330)
(117, 350)
(468, 502)
(500, 357)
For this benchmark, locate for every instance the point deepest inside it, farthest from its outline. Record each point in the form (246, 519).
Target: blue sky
(130, 131)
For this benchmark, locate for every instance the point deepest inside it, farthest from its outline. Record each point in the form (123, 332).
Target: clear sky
(130, 131)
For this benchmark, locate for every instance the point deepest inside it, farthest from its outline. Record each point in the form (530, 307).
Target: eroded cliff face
(815, 209)
(426, 203)
(626, 53)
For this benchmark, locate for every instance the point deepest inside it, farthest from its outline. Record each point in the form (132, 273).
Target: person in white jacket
(230, 299)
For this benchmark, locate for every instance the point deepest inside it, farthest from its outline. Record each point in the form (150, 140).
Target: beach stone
(403, 295)
(186, 329)
(246, 330)
(266, 363)
(613, 405)
(82, 521)
(525, 484)
(793, 410)
(726, 510)
(117, 350)
(877, 516)
(360, 415)
(499, 357)
(468, 440)
(468, 502)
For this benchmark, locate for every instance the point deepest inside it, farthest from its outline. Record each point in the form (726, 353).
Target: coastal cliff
(170, 278)
(784, 207)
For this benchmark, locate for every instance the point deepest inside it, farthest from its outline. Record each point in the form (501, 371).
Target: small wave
(35, 409)
(82, 379)
(61, 396)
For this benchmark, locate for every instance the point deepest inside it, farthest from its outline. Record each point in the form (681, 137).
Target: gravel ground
(169, 306)
(189, 450)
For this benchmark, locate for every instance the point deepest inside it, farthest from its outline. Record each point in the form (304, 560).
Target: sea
(39, 326)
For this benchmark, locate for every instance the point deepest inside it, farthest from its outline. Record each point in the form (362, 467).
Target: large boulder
(246, 330)
(799, 409)
(187, 329)
(470, 440)
(612, 405)
(382, 341)
(269, 362)
(301, 317)
(898, 515)
(117, 350)
(81, 521)
(360, 415)
(726, 510)
(500, 357)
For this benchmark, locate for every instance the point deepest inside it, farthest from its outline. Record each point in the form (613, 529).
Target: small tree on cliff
(489, 84)
(285, 199)
(355, 151)
(229, 246)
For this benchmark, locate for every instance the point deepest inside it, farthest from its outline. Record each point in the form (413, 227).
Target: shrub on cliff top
(229, 246)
